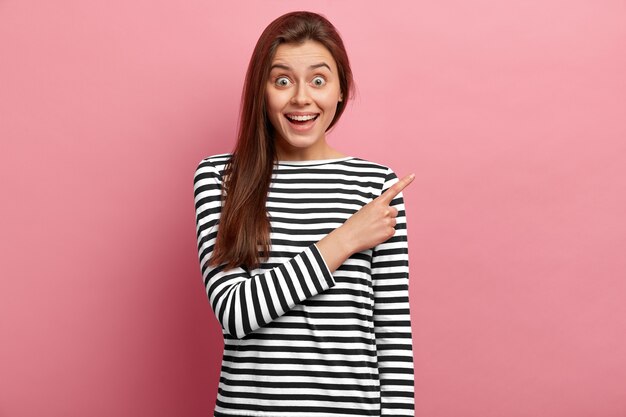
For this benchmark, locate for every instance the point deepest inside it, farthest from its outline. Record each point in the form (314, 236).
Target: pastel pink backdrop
(512, 115)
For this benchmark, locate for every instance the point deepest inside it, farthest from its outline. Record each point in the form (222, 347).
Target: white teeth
(302, 118)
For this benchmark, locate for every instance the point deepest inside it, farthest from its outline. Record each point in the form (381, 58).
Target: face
(301, 99)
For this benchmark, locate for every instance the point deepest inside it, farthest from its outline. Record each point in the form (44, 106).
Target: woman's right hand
(374, 223)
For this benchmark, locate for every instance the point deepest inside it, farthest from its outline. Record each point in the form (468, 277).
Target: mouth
(299, 119)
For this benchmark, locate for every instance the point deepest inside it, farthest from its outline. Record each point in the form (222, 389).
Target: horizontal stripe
(299, 340)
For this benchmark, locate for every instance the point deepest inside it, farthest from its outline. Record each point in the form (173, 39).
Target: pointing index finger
(395, 189)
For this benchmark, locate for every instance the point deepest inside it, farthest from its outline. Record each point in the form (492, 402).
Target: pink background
(512, 114)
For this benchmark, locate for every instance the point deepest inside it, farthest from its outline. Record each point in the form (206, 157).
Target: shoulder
(218, 161)
(381, 171)
(382, 174)
(212, 165)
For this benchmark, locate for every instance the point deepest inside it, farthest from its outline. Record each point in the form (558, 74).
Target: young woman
(303, 250)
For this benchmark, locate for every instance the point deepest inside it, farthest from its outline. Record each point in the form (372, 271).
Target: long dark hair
(244, 229)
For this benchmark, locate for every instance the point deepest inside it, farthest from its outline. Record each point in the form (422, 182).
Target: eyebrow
(314, 66)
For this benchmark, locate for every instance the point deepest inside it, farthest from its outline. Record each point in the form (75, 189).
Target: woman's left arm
(392, 319)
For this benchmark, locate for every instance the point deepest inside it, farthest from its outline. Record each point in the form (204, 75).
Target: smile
(301, 118)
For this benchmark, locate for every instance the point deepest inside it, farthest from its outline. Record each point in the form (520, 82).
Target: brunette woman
(303, 250)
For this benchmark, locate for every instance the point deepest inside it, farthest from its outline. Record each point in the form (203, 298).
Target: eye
(282, 82)
(319, 81)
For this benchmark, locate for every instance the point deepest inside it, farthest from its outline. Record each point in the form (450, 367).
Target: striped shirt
(300, 341)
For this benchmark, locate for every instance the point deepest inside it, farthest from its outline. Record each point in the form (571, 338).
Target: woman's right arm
(242, 303)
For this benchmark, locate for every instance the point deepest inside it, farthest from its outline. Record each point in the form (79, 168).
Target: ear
(341, 97)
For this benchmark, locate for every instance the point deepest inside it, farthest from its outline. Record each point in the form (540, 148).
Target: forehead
(305, 54)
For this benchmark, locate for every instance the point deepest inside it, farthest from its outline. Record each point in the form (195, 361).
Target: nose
(301, 95)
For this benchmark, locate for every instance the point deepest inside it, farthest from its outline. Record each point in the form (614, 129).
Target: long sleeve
(392, 320)
(243, 302)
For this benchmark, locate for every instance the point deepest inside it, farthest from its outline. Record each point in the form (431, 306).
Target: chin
(300, 142)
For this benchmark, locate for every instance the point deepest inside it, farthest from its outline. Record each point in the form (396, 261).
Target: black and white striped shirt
(300, 341)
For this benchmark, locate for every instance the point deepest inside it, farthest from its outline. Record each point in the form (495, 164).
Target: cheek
(274, 119)
(270, 102)
(273, 110)
(329, 103)
(276, 99)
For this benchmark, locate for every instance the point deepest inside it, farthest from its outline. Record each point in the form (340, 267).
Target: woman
(308, 272)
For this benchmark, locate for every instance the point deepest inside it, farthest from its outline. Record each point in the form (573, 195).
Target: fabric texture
(298, 339)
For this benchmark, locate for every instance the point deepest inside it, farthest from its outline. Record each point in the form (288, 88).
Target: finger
(391, 212)
(393, 221)
(395, 189)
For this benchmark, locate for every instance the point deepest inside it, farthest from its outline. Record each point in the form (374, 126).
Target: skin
(305, 81)
(374, 223)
